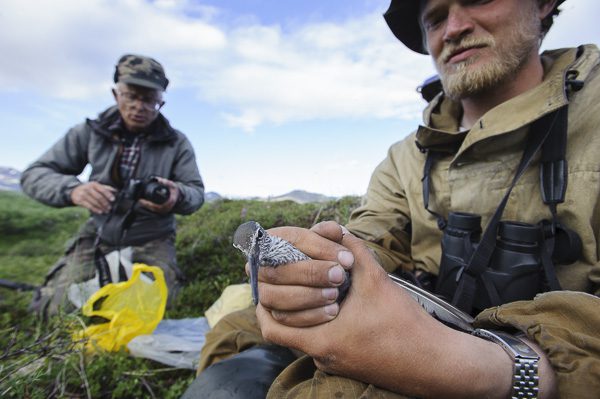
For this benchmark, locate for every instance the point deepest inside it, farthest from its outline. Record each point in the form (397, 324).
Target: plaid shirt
(129, 157)
(130, 150)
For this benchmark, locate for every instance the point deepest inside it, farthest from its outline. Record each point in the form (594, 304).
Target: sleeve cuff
(565, 324)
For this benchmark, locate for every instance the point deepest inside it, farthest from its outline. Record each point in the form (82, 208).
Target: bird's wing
(437, 307)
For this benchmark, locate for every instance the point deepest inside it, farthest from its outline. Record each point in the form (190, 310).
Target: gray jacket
(165, 152)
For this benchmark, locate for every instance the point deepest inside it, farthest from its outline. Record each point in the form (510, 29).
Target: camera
(149, 189)
(135, 189)
(112, 227)
(515, 271)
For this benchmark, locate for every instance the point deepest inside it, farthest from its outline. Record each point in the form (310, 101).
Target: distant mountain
(301, 197)
(9, 179)
(212, 196)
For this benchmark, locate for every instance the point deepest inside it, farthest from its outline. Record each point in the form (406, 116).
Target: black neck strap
(553, 166)
(100, 262)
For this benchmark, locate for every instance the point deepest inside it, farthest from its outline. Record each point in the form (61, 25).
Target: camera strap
(100, 262)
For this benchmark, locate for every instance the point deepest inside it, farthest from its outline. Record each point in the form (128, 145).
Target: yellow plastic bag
(234, 297)
(132, 308)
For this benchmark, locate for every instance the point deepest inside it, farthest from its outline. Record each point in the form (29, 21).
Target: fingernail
(330, 293)
(345, 258)
(336, 274)
(332, 310)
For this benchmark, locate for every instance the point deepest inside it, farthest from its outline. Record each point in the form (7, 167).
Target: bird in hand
(264, 250)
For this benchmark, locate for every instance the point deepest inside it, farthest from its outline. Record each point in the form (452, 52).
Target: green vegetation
(40, 361)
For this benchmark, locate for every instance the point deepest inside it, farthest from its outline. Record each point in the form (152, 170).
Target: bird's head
(248, 236)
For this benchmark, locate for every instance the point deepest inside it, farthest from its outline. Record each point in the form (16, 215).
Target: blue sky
(274, 95)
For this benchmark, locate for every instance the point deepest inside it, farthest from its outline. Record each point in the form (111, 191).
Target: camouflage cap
(142, 71)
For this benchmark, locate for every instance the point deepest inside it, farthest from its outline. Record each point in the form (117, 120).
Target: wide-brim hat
(403, 19)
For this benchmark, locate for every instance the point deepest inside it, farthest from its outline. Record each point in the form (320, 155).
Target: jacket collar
(442, 115)
(108, 121)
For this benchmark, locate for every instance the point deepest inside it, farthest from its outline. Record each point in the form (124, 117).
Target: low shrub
(40, 361)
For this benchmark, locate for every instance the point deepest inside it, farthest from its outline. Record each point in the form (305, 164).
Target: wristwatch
(525, 375)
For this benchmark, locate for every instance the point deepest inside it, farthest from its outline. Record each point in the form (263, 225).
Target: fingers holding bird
(299, 290)
(320, 242)
(302, 285)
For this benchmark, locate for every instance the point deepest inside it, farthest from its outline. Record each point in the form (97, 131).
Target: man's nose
(459, 24)
(137, 103)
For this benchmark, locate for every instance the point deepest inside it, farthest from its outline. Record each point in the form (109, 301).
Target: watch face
(523, 349)
(512, 344)
(517, 344)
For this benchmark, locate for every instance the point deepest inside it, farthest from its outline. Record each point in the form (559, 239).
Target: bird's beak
(253, 261)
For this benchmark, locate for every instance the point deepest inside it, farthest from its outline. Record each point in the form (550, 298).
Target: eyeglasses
(149, 103)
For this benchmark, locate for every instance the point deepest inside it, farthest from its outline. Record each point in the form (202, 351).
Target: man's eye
(432, 22)
(476, 2)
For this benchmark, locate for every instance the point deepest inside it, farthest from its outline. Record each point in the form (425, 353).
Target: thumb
(364, 260)
(330, 230)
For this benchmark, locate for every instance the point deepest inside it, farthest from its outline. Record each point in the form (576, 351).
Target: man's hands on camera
(94, 196)
(169, 204)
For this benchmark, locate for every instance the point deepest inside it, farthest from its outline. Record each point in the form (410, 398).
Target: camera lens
(156, 192)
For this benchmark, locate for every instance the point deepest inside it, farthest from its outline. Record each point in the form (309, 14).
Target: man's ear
(114, 92)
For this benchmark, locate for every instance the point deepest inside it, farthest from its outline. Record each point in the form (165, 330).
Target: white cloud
(256, 74)
(577, 24)
(321, 71)
(67, 48)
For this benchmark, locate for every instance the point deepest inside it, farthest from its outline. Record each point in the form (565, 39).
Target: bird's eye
(260, 234)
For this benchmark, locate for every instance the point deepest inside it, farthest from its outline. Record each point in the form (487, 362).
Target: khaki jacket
(394, 222)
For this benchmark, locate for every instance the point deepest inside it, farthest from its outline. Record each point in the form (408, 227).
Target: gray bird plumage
(263, 249)
(253, 240)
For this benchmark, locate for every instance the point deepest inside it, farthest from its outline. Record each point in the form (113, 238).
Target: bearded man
(506, 116)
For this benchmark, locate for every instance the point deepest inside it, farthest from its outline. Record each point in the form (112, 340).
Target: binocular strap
(550, 124)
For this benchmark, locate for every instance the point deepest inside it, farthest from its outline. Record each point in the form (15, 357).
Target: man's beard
(508, 56)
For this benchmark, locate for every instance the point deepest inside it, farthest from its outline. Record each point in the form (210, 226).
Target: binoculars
(515, 271)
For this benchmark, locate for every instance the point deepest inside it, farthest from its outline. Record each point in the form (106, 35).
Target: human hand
(96, 197)
(305, 293)
(383, 337)
(169, 204)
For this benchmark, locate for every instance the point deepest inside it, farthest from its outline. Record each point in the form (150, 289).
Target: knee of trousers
(247, 375)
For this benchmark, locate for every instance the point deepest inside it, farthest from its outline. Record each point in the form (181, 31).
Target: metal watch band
(525, 378)
(525, 373)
